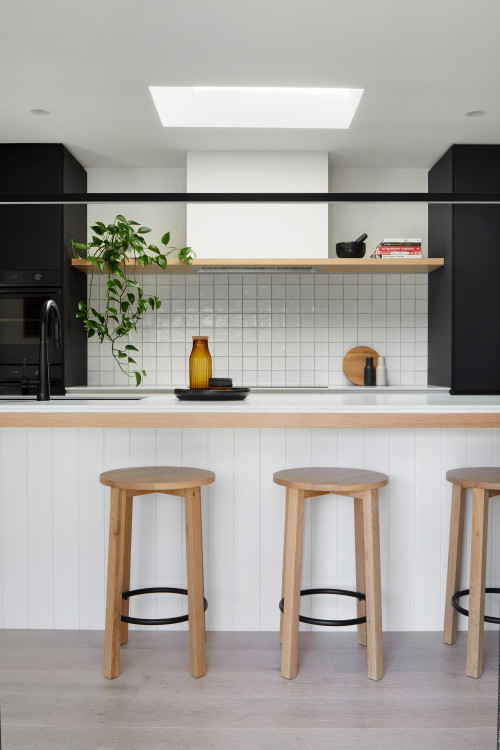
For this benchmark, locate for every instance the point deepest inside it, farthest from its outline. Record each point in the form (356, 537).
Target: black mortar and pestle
(356, 249)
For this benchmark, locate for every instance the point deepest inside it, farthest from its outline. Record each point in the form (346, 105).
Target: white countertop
(328, 401)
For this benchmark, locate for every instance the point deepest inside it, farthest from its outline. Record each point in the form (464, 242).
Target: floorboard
(54, 697)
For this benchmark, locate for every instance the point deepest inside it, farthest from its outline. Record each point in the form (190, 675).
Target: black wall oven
(19, 340)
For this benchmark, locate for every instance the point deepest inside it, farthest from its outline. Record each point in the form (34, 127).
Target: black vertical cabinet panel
(440, 301)
(464, 301)
(38, 238)
(440, 305)
(31, 167)
(30, 238)
(477, 299)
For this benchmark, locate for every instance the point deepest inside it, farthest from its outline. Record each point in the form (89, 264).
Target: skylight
(252, 107)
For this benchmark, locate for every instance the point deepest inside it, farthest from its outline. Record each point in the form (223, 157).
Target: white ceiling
(423, 64)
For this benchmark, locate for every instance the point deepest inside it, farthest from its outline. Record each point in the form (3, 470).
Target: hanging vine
(111, 246)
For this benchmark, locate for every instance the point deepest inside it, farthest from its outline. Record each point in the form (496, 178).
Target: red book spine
(400, 249)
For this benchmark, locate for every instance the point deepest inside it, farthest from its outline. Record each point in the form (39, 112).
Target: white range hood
(257, 230)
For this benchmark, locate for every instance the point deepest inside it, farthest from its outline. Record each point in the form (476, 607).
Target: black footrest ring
(156, 621)
(337, 623)
(458, 594)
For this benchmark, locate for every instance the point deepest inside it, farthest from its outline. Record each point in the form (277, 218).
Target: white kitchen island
(54, 512)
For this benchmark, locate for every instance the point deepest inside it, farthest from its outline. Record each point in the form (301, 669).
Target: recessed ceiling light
(475, 113)
(254, 107)
(40, 112)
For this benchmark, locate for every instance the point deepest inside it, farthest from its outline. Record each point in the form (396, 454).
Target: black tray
(211, 394)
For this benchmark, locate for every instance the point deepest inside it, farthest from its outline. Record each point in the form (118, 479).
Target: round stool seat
(157, 478)
(330, 479)
(480, 477)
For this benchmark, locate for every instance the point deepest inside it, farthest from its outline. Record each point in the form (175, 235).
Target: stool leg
(477, 583)
(373, 589)
(454, 561)
(194, 560)
(283, 570)
(360, 565)
(126, 565)
(293, 556)
(115, 583)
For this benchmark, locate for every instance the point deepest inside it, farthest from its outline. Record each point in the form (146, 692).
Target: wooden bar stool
(363, 487)
(125, 485)
(484, 483)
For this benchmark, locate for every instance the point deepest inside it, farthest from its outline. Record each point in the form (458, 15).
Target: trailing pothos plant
(109, 249)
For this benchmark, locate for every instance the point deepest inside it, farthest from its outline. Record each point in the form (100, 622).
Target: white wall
(348, 220)
(54, 522)
(160, 217)
(258, 230)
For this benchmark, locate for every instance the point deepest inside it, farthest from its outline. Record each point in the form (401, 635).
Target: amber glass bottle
(200, 363)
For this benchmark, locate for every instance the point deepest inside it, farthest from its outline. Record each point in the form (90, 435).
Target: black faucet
(43, 360)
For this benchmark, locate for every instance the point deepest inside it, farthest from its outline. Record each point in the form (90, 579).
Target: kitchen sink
(65, 399)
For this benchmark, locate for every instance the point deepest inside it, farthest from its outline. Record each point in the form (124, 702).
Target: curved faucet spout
(43, 360)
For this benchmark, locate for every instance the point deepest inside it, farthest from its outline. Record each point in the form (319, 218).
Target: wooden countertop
(325, 409)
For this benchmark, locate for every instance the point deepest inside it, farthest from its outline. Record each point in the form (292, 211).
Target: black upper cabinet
(464, 302)
(35, 242)
(32, 237)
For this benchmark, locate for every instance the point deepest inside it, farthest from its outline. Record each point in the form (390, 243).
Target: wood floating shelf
(320, 265)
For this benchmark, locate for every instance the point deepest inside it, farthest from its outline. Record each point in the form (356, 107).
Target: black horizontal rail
(89, 198)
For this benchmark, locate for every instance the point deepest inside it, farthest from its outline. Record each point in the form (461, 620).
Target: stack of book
(405, 247)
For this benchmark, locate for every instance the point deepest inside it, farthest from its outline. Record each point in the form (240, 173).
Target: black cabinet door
(31, 238)
(476, 334)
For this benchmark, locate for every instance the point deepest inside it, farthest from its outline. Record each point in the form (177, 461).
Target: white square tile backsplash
(275, 329)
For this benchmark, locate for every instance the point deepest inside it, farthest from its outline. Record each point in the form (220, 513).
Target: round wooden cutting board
(355, 361)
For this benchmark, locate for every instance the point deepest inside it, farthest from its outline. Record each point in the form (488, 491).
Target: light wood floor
(53, 695)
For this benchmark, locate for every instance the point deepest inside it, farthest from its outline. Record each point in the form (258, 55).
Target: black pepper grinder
(369, 372)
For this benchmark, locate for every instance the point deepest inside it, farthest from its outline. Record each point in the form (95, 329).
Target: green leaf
(119, 217)
(131, 361)
(82, 305)
(131, 298)
(90, 333)
(161, 261)
(165, 239)
(131, 348)
(144, 230)
(79, 245)
(138, 378)
(124, 306)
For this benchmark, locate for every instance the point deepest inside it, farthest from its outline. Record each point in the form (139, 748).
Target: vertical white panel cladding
(13, 480)
(54, 522)
(39, 492)
(257, 230)
(219, 587)
(65, 528)
(92, 520)
(246, 520)
(272, 525)
(402, 530)
(427, 526)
